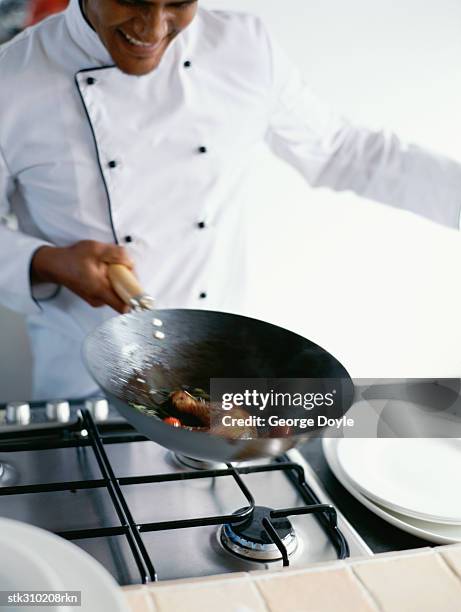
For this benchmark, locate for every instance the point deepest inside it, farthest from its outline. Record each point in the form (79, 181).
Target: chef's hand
(82, 268)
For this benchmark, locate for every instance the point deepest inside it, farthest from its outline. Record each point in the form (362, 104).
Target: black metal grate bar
(328, 508)
(310, 498)
(199, 474)
(72, 485)
(274, 467)
(269, 527)
(135, 542)
(236, 517)
(197, 522)
(100, 532)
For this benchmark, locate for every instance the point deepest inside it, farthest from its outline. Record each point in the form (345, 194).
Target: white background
(377, 287)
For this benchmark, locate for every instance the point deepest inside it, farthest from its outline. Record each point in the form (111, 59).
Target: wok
(128, 362)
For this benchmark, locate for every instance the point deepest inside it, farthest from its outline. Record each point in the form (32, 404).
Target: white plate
(415, 477)
(22, 569)
(432, 532)
(69, 566)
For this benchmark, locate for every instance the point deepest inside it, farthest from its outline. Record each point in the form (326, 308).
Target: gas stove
(79, 470)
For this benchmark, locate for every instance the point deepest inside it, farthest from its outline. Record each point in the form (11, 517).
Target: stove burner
(198, 464)
(250, 540)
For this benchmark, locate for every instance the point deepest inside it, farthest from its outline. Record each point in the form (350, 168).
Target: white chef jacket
(159, 163)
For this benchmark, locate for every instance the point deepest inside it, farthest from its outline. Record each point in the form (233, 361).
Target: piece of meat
(185, 403)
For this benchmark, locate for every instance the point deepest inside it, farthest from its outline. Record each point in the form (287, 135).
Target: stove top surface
(62, 481)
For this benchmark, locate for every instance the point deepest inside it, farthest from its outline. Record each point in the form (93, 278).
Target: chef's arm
(332, 152)
(16, 251)
(82, 268)
(32, 268)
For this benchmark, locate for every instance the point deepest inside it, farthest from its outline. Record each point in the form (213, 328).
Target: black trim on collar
(53, 296)
(84, 15)
(98, 157)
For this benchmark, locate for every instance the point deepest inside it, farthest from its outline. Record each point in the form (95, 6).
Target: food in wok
(193, 410)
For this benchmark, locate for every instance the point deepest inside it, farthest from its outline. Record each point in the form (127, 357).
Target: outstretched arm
(332, 152)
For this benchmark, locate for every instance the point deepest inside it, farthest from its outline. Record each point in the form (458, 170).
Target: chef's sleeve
(16, 252)
(330, 151)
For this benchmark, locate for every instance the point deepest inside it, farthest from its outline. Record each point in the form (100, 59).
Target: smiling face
(137, 32)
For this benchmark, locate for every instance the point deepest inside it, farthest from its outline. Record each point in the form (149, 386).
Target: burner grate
(325, 513)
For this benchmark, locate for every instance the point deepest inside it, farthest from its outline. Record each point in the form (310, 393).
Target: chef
(127, 128)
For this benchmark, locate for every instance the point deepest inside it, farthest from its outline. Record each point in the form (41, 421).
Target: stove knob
(58, 411)
(18, 413)
(98, 407)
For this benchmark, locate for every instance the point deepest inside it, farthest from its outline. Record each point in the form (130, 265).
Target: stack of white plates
(414, 484)
(32, 559)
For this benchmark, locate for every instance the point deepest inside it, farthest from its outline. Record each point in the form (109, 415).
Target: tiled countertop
(426, 580)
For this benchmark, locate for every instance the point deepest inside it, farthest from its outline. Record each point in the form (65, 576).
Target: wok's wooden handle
(125, 284)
